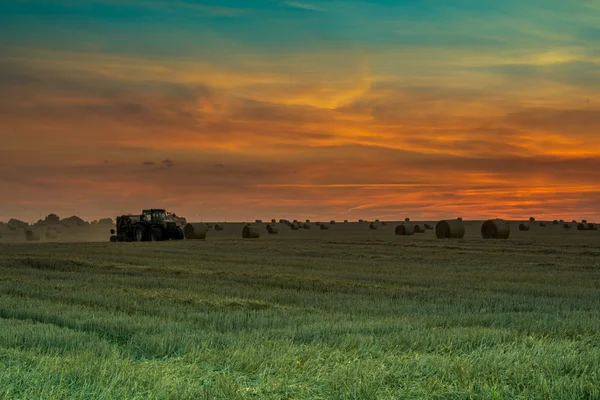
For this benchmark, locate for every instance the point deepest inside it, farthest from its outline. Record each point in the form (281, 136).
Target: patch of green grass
(330, 318)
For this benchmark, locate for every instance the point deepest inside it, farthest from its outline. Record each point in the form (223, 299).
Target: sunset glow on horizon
(241, 110)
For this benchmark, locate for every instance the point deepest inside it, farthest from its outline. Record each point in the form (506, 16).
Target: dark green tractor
(151, 225)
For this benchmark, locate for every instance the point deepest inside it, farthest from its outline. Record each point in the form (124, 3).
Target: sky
(236, 110)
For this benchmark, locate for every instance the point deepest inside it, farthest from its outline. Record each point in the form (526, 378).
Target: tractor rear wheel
(179, 235)
(141, 233)
(156, 235)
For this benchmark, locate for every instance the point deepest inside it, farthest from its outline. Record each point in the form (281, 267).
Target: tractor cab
(154, 216)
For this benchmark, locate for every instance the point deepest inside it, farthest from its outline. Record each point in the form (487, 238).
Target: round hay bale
(555, 222)
(582, 226)
(324, 227)
(592, 227)
(250, 232)
(31, 236)
(273, 221)
(295, 226)
(361, 221)
(307, 221)
(258, 221)
(495, 229)
(567, 226)
(524, 227)
(531, 219)
(574, 222)
(450, 229)
(272, 229)
(561, 221)
(405, 230)
(383, 223)
(305, 226)
(459, 218)
(428, 226)
(332, 222)
(542, 224)
(282, 221)
(51, 234)
(419, 229)
(406, 219)
(584, 221)
(345, 221)
(218, 227)
(372, 225)
(195, 231)
(295, 221)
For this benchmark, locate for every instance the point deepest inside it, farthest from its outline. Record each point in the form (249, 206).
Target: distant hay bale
(428, 226)
(450, 229)
(561, 221)
(258, 221)
(295, 221)
(495, 229)
(531, 219)
(361, 221)
(377, 220)
(405, 230)
(332, 222)
(555, 222)
(250, 232)
(209, 226)
(219, 227)
(51, 234)
(282, 221)
(305, 226)
(459, 218)
(372, 225)
(324, 227)
(542, 224)
(273, 221)
(567, 226)
(195, 231)
(584, 221)
(272, 229)
(524, 227)
(419, 229)
(592, 227)
(31, 236)
(583, 227)
(406, 219)
(345, 221)
(383, 223)
(307, 221)
(295, 226)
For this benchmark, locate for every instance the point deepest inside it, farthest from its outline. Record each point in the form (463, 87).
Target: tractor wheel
(141, 233)
(114, 239)
(179, 235)
(156, 235)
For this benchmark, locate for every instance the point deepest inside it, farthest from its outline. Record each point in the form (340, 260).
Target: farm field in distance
(347, 313)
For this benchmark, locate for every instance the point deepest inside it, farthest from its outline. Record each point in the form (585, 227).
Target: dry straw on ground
(250, 232)
(450, 229)
(495, 229)
(405, 230)
(195, 231)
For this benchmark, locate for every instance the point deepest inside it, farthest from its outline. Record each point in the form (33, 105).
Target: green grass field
(341, 314)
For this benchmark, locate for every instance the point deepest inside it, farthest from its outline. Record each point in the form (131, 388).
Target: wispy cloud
(302, 5)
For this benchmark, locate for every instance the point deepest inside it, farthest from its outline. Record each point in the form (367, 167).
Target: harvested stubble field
(348, 313)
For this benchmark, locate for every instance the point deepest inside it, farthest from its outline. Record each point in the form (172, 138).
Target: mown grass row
(308, 319)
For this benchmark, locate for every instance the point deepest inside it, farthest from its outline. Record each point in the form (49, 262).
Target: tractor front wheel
(141, 233)
(156, 235)
(179, 235)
